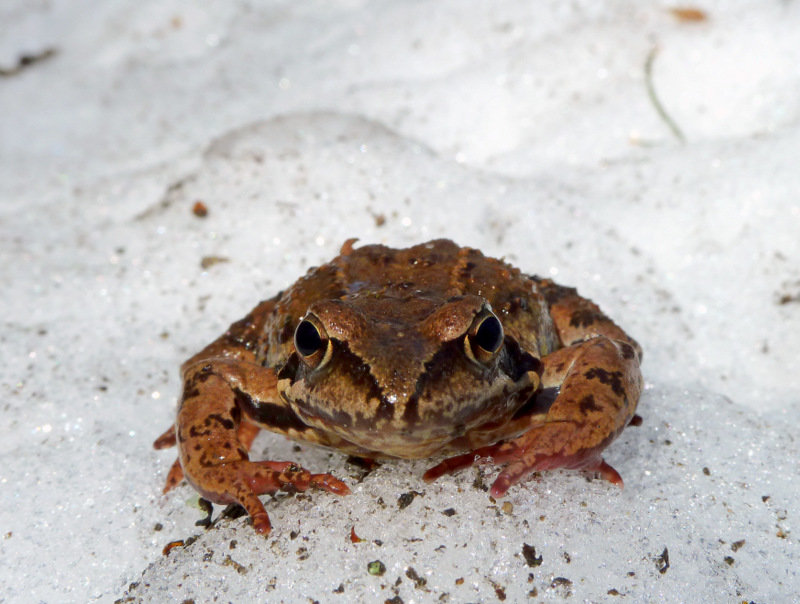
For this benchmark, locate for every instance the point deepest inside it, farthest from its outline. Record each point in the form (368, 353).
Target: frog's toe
(270, 476)
(292, 477)
(261, 523)
(167, 439)
(449, 466)
(512, 474)
(523, 466)
(255, 509)
(174, 477)
(605, 471)
(328, 482)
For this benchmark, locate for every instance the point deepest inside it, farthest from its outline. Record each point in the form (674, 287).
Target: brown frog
(406, 353)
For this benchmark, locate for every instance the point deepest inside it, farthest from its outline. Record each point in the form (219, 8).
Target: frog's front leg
(211, 450)
(246, 434)
(598, 382)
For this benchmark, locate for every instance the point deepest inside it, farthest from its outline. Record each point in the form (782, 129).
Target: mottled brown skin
(400, 353)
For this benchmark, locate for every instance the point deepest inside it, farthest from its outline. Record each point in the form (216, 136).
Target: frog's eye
(484, 338)
(311, 341)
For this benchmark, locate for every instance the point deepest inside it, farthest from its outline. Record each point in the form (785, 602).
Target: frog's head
(405, 376)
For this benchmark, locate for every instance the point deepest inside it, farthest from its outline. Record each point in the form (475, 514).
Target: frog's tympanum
(434, 350)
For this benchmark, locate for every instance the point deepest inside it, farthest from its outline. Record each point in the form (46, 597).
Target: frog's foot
(243, 481)
(167, 439)
(520, 469)
(174, 476)
(213, 442)
(521, 463)
(246, 433)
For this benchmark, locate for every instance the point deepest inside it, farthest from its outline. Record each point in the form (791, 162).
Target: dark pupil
(490, 334)
(306, 338)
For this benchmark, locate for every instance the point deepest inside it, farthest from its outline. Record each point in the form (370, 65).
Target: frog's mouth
(450, 398)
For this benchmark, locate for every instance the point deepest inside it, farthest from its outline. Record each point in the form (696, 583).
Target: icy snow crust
(524, 129)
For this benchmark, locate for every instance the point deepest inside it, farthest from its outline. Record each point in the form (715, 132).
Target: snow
(523, 129)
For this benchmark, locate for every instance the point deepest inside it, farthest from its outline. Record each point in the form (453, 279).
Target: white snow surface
(525, 129)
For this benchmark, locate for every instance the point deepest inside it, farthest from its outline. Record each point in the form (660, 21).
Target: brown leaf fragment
(419, 582)
(529, 553)
(689, 14)
(353, 537)
(662, 561)
(172, 545)
(406, 498)
(208, 261)
(200, 209)
(228, 561)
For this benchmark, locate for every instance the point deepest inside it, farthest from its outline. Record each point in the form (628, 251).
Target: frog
(431, 351)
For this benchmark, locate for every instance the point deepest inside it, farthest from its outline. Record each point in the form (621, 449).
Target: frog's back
(428, 275)
(409, 284)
